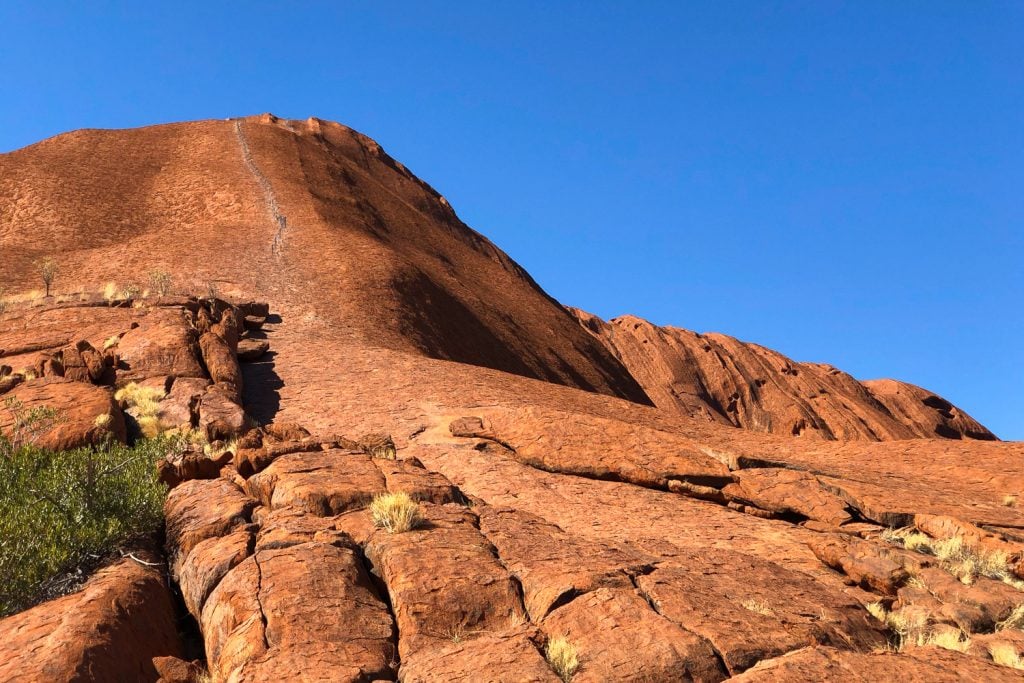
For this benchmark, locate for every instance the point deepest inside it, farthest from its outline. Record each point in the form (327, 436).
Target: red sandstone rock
(322, 483)
(620, 638)
(86, 414)
(865, 563)
(221, 362)
(109, 631)
(788, 492)
(923, 665)
(252, 349)
(200, 509)
(583, 490)
(174, 670)
(163, 344)
(510, 656)
(721, 379)
(221, 417)
(444, 580)
(751, 609)
(553, 566)
(309, 607)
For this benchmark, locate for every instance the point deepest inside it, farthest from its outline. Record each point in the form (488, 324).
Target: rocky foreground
(571, 484)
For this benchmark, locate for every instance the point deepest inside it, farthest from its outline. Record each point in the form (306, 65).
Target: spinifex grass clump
(64, 512)
(562, 657)
(396, 512)
(143, 403)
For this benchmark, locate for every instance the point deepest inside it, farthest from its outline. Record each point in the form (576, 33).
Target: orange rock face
(721, 379)
(110, 631)
(639, 491)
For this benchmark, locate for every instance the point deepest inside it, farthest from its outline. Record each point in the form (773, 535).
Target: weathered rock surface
(620, 638)
(751, 609)
(109, 631)
(322, 483)
(721, 379)
(85, 414)
(307, 608)
(510, 656)
(444, 580)
(925, 664)
(665, 542)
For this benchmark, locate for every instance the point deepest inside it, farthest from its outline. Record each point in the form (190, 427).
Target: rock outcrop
(572, 482)
(721, 379)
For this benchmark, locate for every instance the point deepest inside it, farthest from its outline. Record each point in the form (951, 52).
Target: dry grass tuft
(102, 421)
(962, 560)
(911, 629)
(111, 342)
(161, 282)
(949, 639)
(396, 512)
(758, 606)
(1010, 501)
(1014, 620)
(562, 657)
(110, 291)
(224, 447)
(143, 403)
(1005, 654)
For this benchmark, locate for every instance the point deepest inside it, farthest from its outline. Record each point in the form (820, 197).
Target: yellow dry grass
(395, 512)
(1014, 620)
(955, 555)
(1005, 654)
(562, 657)
(144, 404)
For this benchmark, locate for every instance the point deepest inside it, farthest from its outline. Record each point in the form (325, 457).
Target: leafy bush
(64, 511)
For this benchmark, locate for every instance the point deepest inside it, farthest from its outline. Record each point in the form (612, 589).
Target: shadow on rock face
(262, 397)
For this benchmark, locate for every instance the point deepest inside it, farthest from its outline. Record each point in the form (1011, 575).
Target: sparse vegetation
(758, 606)
(395, 512)
(110, 291)
(111, 342)
(911, 628)
(47, 269)
(130, 291)
(562, 657)
(161, 282)
(143, 404)
(1008, 500)
(215, 451)
(1014, 620)
(1005, 654)
(62, 513)
(212, 291)
(962, 560)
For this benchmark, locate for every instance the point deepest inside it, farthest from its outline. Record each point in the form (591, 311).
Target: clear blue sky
(843, 182)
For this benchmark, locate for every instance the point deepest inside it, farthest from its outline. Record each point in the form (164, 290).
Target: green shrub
(62, 513)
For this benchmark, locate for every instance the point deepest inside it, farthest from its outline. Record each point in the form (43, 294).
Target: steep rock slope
(665, 547)
(721, 379)
(310, 213)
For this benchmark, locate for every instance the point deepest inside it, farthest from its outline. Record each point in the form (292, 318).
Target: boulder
(444, 579)
(619, 637)
(252, 349)
(109, 631)
(309, 607)
(322, 483)
(86, 414)
(221, 362)
(163, 344)
(221, 417)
